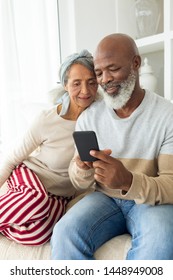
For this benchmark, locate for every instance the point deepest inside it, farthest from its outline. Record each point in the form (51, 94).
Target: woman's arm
(22, 148)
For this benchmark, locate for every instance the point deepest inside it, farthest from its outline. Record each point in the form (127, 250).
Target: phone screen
(85, 142)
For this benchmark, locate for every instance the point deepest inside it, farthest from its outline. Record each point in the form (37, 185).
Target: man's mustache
(110, 85)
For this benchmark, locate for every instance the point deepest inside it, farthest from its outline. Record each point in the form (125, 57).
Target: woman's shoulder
(45, 116)
(48, 112)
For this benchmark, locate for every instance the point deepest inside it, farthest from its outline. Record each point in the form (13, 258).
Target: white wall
(83, 23)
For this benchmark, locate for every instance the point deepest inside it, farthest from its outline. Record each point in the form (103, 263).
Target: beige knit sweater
(47, 148)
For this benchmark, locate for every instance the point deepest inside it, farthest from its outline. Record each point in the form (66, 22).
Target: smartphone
(85, 142)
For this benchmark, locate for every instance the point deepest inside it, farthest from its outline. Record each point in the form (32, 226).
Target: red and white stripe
(27, 212)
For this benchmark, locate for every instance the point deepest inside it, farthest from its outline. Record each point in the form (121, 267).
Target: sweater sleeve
(154, 190)
(23, 147)
(144, 189)
(81, 179)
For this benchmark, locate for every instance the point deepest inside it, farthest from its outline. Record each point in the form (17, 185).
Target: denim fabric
(97, 218)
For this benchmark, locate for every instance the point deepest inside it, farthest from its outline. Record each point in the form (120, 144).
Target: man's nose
(106, 77)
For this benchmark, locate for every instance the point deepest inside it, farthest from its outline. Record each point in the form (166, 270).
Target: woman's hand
(83, 164)
(86, 164)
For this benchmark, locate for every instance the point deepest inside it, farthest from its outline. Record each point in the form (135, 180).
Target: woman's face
(81, 86)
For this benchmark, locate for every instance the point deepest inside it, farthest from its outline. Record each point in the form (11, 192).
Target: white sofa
(116, 248)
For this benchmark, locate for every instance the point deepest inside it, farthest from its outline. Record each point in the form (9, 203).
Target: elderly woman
(36, 170)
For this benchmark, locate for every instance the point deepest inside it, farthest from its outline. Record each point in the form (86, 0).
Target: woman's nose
(84, 88)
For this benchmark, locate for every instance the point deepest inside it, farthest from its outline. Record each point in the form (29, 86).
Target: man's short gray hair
(84, 57)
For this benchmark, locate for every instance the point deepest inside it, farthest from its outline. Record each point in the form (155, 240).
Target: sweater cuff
(84, 173)
(134, 191)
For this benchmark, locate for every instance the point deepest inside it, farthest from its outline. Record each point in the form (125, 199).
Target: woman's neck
(72, 113)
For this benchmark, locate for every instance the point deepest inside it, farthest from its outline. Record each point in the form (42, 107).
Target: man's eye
(92, 83)
(98, 74)
(114, 69)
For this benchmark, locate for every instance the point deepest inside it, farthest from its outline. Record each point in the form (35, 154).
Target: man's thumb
(107, 152)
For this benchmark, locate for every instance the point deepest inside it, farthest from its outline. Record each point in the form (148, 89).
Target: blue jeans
(97, 218)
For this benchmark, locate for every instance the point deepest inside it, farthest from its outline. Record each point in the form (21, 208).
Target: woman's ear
(66, 87)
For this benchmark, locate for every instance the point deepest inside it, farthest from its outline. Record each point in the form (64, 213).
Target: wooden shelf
(151, 43)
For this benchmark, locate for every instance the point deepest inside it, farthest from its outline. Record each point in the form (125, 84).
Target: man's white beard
(119, 100)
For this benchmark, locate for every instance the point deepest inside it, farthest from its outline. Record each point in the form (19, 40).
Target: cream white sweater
(143, 142)
(47, 148)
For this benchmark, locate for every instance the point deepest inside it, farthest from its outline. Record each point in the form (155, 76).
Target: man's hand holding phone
(111, 172)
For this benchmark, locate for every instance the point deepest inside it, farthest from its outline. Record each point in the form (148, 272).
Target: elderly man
(133, 176)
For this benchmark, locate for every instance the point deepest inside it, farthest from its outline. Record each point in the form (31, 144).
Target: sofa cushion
(116, 248)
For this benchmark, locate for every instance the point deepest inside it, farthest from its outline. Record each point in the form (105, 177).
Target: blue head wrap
(85, 58)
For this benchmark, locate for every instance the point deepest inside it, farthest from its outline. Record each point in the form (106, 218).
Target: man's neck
(131, 105)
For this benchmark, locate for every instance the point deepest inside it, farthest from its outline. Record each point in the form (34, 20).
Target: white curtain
(29, 61)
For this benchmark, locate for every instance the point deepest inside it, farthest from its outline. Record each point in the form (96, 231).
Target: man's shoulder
(160, 102)
(95, 106)
(160, 99)
(93, 112)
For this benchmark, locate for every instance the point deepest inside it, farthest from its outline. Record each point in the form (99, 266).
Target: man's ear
(136, 62)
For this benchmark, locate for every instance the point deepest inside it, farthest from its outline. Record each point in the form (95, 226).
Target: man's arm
(112, 174)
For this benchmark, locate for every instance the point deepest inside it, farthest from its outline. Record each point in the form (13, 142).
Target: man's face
(122, 95)
(116, 76)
